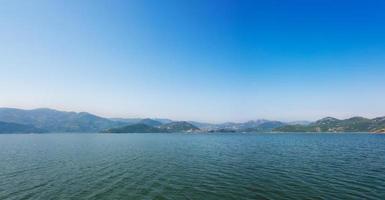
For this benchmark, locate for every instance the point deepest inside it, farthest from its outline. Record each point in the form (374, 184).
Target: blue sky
(195, 60)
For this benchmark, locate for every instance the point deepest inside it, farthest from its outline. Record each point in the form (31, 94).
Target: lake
(192, 166)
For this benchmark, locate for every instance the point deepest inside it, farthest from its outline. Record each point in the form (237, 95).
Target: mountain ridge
(330, 124)
(57, 121)
(51, 120)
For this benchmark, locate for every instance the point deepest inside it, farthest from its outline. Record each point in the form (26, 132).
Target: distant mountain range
(44, 120)
(330, 124)
(261, 125)
(48, 120)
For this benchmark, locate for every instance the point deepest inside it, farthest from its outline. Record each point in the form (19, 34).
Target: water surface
(196, 166)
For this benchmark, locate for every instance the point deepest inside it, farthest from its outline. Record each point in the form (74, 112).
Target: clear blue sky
(195, 60)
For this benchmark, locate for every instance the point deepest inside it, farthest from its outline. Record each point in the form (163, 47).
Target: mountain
(222, 131)
(49, 120)
(379, 120)
(260, 125)
(265, 127)
(150, 122)
(299, 123)
(7, 127)
(57, 121)
(242, 126)
(330, 124)
(172, 127)
(254, 123)
(135, 128)
(138, 120)
(126, 120)
(380, 131)
(179, 127)
(203, 125)
(163, 120)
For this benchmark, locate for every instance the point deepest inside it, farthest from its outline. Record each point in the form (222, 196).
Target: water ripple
(180, 166)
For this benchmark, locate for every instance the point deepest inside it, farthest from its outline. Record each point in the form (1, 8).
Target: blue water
(192, 166)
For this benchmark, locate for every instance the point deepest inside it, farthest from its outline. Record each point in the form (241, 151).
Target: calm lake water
(196, 166)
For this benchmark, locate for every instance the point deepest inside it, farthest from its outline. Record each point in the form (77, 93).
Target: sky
(205, 60)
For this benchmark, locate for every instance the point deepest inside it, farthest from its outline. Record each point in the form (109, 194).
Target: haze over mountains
(44, 120)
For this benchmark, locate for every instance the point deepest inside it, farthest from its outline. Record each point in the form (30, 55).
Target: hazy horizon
(213, 61)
